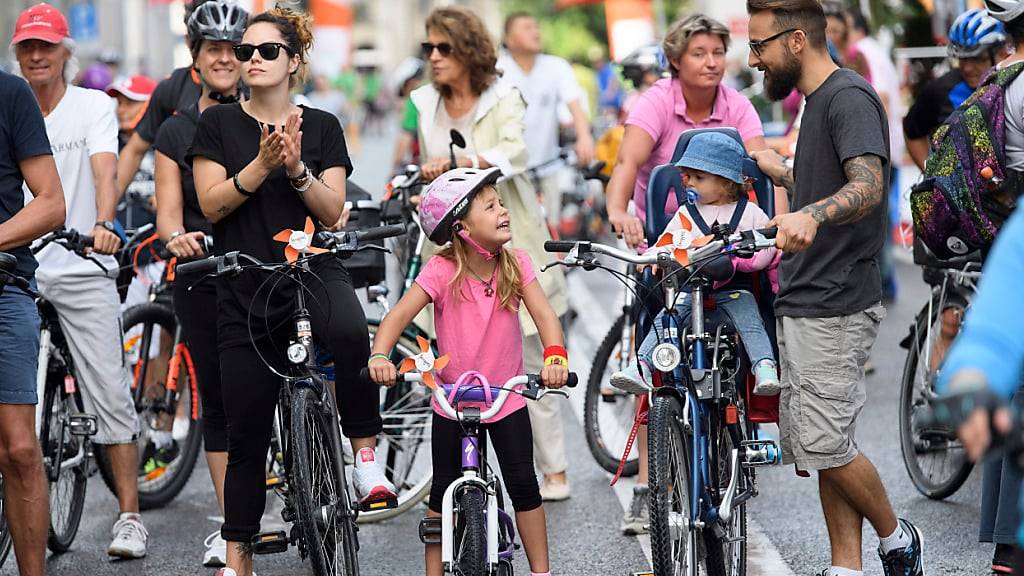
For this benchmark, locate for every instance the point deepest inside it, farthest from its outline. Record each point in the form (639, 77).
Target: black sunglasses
(757, 45)
(428, 49)
(267, 50)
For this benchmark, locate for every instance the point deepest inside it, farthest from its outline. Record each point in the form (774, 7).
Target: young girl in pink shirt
(476, 286)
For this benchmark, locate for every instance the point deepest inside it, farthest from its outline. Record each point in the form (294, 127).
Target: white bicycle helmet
(218, 20)
(447, 199)
(1005, 10)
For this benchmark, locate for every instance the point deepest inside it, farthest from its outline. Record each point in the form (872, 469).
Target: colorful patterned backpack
(967, 192)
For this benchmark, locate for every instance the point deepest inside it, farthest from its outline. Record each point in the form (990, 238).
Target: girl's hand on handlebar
(383, 372)
(187, 245)
(554, 375)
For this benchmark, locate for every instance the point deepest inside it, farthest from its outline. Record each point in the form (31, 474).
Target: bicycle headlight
(297, 353)
(666, 357)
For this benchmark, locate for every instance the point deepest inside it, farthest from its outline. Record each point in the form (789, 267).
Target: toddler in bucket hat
(715, 153)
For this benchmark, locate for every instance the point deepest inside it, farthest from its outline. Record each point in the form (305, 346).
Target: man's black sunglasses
(267, 50)
(428, 49)
(757, 45)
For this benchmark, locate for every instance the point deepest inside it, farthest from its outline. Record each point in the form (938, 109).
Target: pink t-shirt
(661, 112)
(474, 330)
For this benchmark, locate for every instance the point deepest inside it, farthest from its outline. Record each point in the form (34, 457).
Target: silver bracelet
(175, 235)
(307, 181)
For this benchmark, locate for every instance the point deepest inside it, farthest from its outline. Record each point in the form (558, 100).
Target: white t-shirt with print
(83, 124)
(550, 84)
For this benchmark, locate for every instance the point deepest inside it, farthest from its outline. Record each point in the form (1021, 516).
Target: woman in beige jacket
(467, 94)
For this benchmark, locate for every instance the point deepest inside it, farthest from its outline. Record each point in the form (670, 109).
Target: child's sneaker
(630, 380)
(370, 482)
(766, 377)
(635, 521)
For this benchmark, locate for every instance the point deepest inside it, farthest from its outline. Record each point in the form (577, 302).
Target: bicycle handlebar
(534, 391)
(750, 240)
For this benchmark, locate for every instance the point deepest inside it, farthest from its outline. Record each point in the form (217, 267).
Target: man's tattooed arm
(862, 193)
(225, 210)
(786, 180)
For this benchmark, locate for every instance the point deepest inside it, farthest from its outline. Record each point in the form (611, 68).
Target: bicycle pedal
(270, 542)
(82, 425)
(643, 573)
(274, 482)
(388, 504)
(761, 452)
(430, 530)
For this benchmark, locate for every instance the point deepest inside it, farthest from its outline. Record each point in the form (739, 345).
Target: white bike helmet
(218, 20)
(447, 199)
(1005, 10)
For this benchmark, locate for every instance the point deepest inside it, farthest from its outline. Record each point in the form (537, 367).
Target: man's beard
(779, 82)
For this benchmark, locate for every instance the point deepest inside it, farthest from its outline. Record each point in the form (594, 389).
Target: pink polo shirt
(474, 330)
(661, 112)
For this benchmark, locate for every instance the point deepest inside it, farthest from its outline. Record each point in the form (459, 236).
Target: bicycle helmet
(973, 33)
(447, 199)
(219, 20)
(96, 77)
(647, 58)
(1005, 10)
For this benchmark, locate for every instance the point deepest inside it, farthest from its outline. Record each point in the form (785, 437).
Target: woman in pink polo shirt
(694, 97)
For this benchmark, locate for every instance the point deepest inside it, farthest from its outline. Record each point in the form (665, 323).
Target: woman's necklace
(488, 290)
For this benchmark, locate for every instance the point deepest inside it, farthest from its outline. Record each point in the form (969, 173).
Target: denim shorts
(19, 346)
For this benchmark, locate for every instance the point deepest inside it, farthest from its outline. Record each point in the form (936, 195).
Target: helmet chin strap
(476, 245)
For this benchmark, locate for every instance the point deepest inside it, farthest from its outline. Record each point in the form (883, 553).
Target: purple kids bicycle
(475, 532)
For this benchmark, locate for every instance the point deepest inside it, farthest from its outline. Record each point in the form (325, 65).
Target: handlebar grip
(768, 232)
(558, 246)
(364, 376)
(85, 240)
(198, 267)
(381, 232)
(574, 379)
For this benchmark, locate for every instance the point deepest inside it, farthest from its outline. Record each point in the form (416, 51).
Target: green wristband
(375, 356)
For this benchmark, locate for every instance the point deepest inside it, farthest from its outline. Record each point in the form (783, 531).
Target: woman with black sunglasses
(262, 166)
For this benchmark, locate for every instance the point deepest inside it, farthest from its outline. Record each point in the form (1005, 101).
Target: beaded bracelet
(375, 356)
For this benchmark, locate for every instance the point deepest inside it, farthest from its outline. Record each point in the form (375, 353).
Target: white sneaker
(629, 380)
(216, 551)
(766, 379)
(555, 491)
(130, 537)
(369, 479)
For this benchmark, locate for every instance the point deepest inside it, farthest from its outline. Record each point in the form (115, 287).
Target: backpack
(967, 193)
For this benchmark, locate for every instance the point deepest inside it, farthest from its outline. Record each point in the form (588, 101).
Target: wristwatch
(108, 225)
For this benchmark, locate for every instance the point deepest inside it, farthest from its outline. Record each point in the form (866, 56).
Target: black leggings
(251, 392)
(512, 437)
(195, 310)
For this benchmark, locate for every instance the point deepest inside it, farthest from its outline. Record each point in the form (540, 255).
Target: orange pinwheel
(679, 240)
(424, 363)
(299, 242)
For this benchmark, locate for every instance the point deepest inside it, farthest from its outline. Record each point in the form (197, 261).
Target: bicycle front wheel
(675, 548)
(608, 413)
(471, 533)
(325, 516)
(65, 458)
(934, 457)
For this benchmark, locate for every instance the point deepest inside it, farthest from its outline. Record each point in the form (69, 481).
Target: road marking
(763, 557)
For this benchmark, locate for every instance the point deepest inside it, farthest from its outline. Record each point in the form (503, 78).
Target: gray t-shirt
(1013, 104)
(838, 274)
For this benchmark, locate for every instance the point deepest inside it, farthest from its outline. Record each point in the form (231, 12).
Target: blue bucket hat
(715, 153)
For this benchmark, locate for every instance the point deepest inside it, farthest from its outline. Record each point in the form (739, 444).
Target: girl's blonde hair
(508, 277)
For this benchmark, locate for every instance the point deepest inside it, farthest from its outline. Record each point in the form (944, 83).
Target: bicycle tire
(67, 492)
(401, 405)
(328, 537)
(910, 443)
(5, 532)
(471, 533)
(158, 491)
(594, 401)
(669, 484)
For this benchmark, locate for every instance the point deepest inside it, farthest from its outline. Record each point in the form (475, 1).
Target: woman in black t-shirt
(252, 164)
(182, 227)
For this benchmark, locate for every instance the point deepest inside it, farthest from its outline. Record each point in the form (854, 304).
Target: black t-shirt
(934, 104)
(176, 92)
(230, 137)
(22, 136)
(838, 274)
(173, 140)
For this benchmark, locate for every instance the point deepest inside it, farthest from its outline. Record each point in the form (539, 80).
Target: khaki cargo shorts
(822, 369)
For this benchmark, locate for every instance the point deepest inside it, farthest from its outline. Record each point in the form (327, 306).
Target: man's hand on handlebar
(796, 231)
(187, 245)
(627, 227)
(383, 372)
(554, 375)
(105, 241)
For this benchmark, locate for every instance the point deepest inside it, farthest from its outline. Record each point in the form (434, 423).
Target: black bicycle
(313, 485)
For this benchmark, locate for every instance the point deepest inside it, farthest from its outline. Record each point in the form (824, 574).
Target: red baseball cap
(137, 88)
(41, 22)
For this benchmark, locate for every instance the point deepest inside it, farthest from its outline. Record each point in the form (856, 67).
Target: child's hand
(554, 375)
(383, 372)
